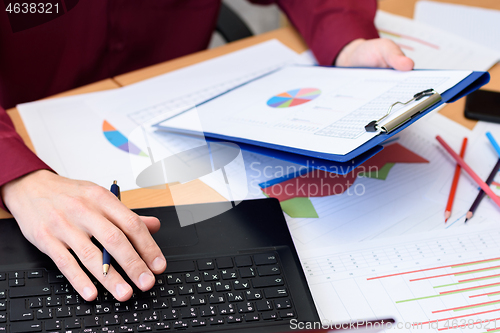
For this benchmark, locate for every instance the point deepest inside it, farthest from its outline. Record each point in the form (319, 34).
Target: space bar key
(29, 291)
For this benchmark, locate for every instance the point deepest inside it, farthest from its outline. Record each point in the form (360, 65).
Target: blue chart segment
(293, 97)
(120, 141)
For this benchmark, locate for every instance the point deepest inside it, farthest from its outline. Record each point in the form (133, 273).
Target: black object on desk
(235, 272)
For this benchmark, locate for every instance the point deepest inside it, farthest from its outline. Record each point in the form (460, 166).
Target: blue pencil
(106, 258)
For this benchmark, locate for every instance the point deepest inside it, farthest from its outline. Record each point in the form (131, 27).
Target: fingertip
(89, 293)
(402, 63)
(152, 223)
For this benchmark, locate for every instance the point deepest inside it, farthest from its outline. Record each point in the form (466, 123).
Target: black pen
(106, 258)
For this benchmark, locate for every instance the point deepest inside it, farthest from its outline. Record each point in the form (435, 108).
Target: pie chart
(294, 97)
(120, 141)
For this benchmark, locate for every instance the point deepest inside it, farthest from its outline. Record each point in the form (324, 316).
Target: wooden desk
(453, 111)
(196, 191)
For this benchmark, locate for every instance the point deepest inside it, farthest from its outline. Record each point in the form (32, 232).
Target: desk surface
(196, 191)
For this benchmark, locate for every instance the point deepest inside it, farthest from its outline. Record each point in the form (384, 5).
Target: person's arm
(342, 33)
(57, 214)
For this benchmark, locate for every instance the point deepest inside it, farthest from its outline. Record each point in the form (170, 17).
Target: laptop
(235, 272)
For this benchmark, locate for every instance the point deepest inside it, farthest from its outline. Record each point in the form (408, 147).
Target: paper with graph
(311, 109)
(439, 281)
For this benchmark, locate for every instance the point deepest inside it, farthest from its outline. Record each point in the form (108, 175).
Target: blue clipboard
(343, 164)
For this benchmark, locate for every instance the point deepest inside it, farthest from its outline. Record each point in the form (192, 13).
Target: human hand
(378, 52)
(56, 214)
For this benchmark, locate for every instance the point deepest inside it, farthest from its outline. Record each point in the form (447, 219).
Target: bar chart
(426, 282)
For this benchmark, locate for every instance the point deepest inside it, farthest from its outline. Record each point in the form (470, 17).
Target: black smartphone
(483, 105)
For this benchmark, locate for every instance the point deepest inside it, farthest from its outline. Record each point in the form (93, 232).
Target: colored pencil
(454, 184)
(481, 193)
(471, 172)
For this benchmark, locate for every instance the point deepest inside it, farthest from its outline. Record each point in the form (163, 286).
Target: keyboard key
(196, 300)
(63, 311)
(18, 312)
(216, 298)
(126, 328)
(180, 266)
(45, 313)
(151, 316)
(253, 295)
(223, 286)
(35, 302)
(225, 309)
(26, 327)
(235, 297)
(53, 325)
(268, 270)
(192, 278)
(243, 261)
(210, 276)
(241, 284)
(187, 313)
(282, 304)
(130, 318)
(264, 259)
(224, 262)
(3, 305)
(264, 305)
(287, 314)
(174, 279)
(72, 299)
(63, 288)
(16, 282)
(181, 324)
(56, 277)
(268, 281)
(234, 319)
(35, 274)
(275, 292)
(2, 276)
(204, 287)
(251, 317)
(160, 303)
(229, 274)
(269, 315)
(208, 311)
(163, 326)
(167, 291)
(198, 322)
(84, 310)
(16, 275)
(72, 323)
(215, 320)
(111, 319)
(144, 328)
(170, 314)
(180, 301)
(53, 301)
(185, 290)
(246, 307)
(247, 272)
(205, 264)
(30, 291)
(3, 317)
(3, 293)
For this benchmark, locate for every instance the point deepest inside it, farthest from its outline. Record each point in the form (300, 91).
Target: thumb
(395, 58)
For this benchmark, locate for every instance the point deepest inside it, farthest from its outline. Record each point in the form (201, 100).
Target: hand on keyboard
(57, 214)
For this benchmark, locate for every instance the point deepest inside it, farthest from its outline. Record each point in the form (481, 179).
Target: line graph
(447, 280)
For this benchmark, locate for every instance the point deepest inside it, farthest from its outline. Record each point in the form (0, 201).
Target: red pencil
(471, 172)
(454, 184)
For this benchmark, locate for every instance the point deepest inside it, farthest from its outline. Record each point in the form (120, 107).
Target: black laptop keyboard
(191, 294)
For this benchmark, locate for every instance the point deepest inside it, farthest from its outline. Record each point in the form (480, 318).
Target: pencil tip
(104, 273)
(465, 220)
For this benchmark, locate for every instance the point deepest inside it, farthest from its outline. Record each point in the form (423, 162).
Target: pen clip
(434, 97)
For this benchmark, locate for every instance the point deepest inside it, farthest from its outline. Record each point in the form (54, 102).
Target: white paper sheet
(476, 24)
(68, 135)
(332, 123)
(433, 48)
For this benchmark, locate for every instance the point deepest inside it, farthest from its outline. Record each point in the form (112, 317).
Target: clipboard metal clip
(434, 97)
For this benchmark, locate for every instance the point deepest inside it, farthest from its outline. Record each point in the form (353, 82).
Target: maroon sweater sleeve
(16, 159)
(329, 25)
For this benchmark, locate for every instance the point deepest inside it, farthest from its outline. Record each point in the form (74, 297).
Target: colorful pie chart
(293, 97)
(120, 141)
